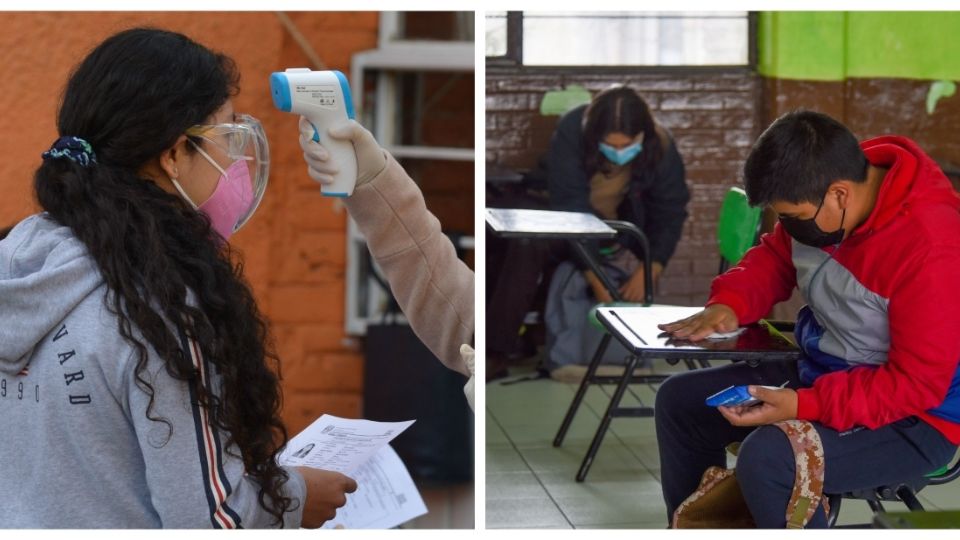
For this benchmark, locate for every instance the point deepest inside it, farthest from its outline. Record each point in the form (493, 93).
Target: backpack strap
(808, 482)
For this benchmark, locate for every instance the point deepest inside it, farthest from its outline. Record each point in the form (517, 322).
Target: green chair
(905, 492)
(737, 227)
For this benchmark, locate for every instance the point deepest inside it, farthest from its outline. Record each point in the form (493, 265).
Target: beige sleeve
(433, 287)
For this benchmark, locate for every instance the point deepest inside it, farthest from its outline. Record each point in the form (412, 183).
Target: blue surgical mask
(622, 156)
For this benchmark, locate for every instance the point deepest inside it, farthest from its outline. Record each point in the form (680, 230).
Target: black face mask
(806, 231)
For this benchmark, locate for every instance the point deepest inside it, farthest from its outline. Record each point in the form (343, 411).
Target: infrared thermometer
(324, 99)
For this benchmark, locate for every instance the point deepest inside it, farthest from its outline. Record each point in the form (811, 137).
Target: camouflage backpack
(718, 504)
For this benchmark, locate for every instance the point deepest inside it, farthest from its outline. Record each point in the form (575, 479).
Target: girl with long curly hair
(138, 384)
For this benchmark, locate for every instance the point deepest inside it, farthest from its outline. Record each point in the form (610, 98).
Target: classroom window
(619, 38)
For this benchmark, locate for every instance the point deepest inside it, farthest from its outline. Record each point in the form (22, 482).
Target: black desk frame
(614, 410)
(577, 243)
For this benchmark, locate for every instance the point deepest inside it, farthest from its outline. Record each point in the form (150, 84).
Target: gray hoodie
(76, 447)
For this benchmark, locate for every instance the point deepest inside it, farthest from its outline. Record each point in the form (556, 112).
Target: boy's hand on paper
(777, 404)
(326, 491)
(714, 318)
(370, 157)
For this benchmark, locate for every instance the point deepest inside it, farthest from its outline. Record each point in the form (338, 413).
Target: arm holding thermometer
(324, 99)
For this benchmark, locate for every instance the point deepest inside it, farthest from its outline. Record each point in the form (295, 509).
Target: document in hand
(386, 495)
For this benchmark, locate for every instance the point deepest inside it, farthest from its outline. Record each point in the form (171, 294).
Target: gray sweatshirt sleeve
(192, 480)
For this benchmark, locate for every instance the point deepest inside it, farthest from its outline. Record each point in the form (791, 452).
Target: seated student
(870, 233)
(137, 379)
(433, 287)
(609, 158)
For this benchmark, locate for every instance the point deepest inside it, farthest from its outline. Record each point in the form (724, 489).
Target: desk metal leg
(595, 267)
(582, 391)
(607, 416)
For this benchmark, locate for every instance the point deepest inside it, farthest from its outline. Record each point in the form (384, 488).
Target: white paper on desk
(720, 336)
(643, 321)
(339, 444)
(386, 495)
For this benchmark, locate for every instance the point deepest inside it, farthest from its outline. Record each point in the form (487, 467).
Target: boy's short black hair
(799, 156)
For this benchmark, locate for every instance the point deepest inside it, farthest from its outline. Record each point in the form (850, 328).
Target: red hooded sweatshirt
(881, 329)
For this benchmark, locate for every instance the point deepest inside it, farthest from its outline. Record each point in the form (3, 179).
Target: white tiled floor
(531, 484)
(448, 507)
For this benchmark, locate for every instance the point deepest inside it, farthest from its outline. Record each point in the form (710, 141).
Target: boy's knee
(672, 395)
(765, 456)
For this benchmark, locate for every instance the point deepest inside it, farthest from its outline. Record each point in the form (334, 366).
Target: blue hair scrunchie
(75, 149)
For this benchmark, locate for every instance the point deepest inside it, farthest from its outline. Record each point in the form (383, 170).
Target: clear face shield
(243, 140)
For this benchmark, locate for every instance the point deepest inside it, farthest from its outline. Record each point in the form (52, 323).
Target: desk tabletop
(636, 328)
(519, 222)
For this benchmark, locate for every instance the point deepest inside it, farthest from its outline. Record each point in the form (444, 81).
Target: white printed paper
(386, 495)
(643, 321)
(719, 336)
(339, 444)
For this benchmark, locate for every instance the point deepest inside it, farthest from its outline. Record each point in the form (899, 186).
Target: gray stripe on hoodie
(853, 318)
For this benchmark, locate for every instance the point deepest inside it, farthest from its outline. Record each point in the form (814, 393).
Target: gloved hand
(370, 157)
(466, 352)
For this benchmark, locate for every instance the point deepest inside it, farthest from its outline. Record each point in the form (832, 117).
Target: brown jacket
(433, 287)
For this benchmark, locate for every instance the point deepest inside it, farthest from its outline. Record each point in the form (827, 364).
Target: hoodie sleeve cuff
(734, 302)
(808, 406)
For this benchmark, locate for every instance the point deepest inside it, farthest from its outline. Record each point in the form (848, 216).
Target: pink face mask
(230, 201)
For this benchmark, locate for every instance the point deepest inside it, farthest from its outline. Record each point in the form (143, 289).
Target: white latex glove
(370, 157)
(466, 352)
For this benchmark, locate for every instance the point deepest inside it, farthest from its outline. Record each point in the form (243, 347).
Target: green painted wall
(831, 46)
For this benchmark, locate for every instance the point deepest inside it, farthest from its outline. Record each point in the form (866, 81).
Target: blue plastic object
(280, 90)
(347, 95)
(732, 396)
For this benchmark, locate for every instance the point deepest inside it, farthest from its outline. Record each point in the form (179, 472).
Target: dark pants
(692, 437)
(524, 265)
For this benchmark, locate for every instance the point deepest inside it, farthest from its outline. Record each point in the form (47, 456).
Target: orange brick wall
(294, 247)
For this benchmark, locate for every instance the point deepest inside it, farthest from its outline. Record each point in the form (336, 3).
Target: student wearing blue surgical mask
(609, 158)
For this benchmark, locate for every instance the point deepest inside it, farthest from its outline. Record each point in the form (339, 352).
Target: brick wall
(714, 117)
(872, 107)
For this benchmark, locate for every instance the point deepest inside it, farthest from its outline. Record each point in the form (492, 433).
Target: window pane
(496, 30)
(635, 38)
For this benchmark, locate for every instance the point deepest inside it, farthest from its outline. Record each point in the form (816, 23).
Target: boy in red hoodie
(870, 234)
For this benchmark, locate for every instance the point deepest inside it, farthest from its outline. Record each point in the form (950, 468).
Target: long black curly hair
(131, 98)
